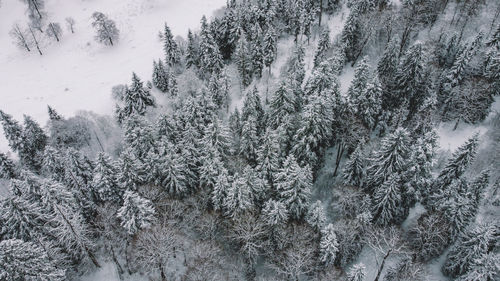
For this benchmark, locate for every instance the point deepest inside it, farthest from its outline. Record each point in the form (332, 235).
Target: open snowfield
(78, 73)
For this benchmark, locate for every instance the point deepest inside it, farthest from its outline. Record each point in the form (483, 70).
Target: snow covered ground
(78, 73)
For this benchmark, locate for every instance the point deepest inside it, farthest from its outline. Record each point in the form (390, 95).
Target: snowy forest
(278, 140)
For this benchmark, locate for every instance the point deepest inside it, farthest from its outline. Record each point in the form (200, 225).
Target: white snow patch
(108, 272)
(451, 140)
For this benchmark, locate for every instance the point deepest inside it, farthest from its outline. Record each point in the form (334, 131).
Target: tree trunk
(110, 41)
(36, 41)
(320, 11)
(126, 257)
(36, 8)
(456, 124)
(340, 151)
(53, 31)
(89, 253)
(115, 260)
(162, 272)
(382, 266)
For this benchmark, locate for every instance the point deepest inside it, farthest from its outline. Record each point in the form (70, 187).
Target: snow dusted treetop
(356, 273)
(329, 246)
(106, 29)
(136, 213)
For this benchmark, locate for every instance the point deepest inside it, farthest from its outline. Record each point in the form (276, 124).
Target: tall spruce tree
(323, 46)
(136, 212)
(172, 52)
(105, 180)
(328, 245)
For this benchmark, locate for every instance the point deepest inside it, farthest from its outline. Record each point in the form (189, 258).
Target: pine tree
(211, 60)
(470, 247)
(391, 158)
(270, 46)
(252, 106)
(249, 141)
(351, 34)
(12, 130)
(160, 76)
(243, 61)
(167, 169)
(369, 105)
(238, 198)
(192, 52)
(216, 136)
(34, 141)
(354, 170)
(295, 68)
(419, 174)
(359, 83)
(172, 52)
(256, 50)
(259, 191)
(53, 115)
(484, 268)
(105, 180)
(219, 88)
(458, 207)
(7, 167)
(283, 104)
(492, 73)
(328, 245)
(293, 184)
(315, 216)
(136, 212)
(268, 157)
(388, 206)
(388, 64)
(356, 273)
(323, 46)
(411, 81)
(455, 168)
(136, 100)
(21, 260)
(221, 185)
(131, 171)
(314, 131)
(274, 213)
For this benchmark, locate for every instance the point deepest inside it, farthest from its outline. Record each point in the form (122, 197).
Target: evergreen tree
(323, 46)
(136, 212)
(34, 141)
(354, 170)
(270, 49)
(388, 64)
(137, 98)
(219, 88)
(351, 34)
(419, 174)
(238, 198)
(484, 268)
(211, 60)
(390, 159)
(12, 130)
(471, 247)
(458, 207)
(274, 213)
(359, 83)
(216, 136)
(172, 52)
(259, 192)
(243, 61)
(268, 157)
(293, 184)
(249, 141)
(295, 68)
(53, 115)
(252, 106)
(192, 52)
(131, 171)
(167, 169)
(21, 260)
(356, 273)
(160, 76)
(283, 104)
(105, 180)
(492, 73)
(369, 105)
(328, 245)
(221, 185)
(315, 216)
(256, 50)
(7, 167)
(388, 205)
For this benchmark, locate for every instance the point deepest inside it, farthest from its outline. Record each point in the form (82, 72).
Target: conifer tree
(167, 169)
(21, 260)
(160, 76)
(323, 46)
(270, 46)
(131, 171)
(354, 170)
(388, 64)
(391, 158)
(293, 184)
(219, 88)
(252, 106)
(388, 206)
(12, 130)
(34, 142)
(274, 213)
(53, 115)
(351, 33)
(7, 167)
(283, 104)
(249, 141)
(243, 61)
(470, 248)
(315, 216)
(296, 67)
(356, 273)
(458, 207)
(221, 185)
(210, 57)
(137, 98)
(259, 191)
(328, 245)
(359, 83)
(136, 212)
(256, 50)
(238, 198)
(105, 180)
(369, 104)
(192, 52)
(492, 73)
(172, 52)
(268, 157)
(216, 136)
(419, 174)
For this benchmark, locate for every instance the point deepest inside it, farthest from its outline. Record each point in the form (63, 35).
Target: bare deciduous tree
(20, 37)
(54, 30)
(70, 23)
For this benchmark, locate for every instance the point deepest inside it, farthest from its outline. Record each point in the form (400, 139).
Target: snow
(108, 272)
(78, 73)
